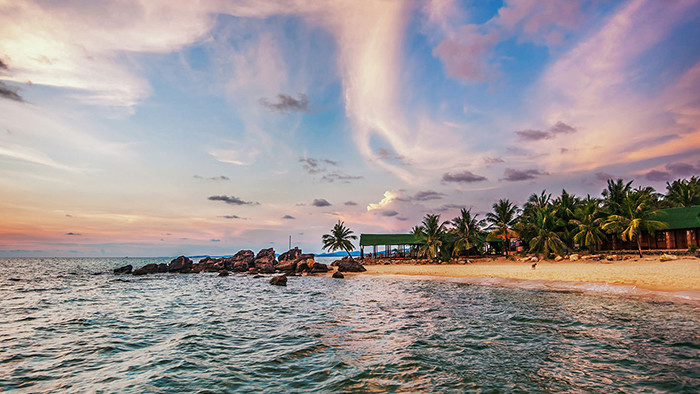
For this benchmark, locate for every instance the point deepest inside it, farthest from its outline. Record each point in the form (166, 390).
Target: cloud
(536, 135)
(214, 178)
(462, 177)
(232, 200)
(448, 207)
(331, 162)
(215, 240)
(513, 175)
(680, 169)
(9, 92)
(493, 160)
(288, 217)
(656, 176)
(350, 203)
(74, 234)
(3, 65)
(339, 176)
(389, 213)
(287, 103)
(603, 176)
(320, 202)
(428, 195)
(237, 153)
(231, 217)
(311, 165)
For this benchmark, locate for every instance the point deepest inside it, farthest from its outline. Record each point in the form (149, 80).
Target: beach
(646, 273)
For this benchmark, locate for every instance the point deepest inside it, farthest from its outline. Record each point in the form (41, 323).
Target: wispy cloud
(428, 195)
(337, 176)
(350, 203)
(10, 92)
(233, 200)
(74, 234)
(287, 103)
(288, 217)
(233, 217)
(536, 135)
(389, 213)
(213, 178)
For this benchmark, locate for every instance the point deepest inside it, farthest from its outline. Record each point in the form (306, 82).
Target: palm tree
(637, 212)
(588, 224)
(564, 211)
(546, 238)
(614, 195)
(339, 239)
(466, 230)
(683, 192)
(418, 235)
(432, 231)
(501, 222)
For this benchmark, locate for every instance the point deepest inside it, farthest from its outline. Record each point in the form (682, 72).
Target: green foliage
(588, 222)
(636, 211)
(432, 232)
(546, 239)
(466, 232)
(501, 222)
(339, 239)
(692, 248)
(683, 192)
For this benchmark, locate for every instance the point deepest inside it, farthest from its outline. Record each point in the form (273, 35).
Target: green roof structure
(389, 239)
(680, 218)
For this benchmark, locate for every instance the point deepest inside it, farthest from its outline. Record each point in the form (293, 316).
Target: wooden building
(402, 243)
(682, 230)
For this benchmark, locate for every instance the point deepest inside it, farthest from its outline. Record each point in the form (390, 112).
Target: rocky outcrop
(289, 256)
(279, 280)
(304, 265)
(317, 268)
(338, 275)
(223, 273)
(124, 270)
(163, 268)
(146, 269)
(180, 264)
(265, 261)
(349, 265)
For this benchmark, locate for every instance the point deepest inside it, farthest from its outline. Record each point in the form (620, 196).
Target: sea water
(70, 325)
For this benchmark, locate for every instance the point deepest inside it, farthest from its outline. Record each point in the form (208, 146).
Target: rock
(288, 266)
(223, 273)
(573, 257)
(257, 276)
(267, 269)
(289, 256)
(265, 257)
(279, 280)
(146, 269)
(534, 259)
(349, 265)
(124, 270)
(304, 265)
(668, 257)
(239, 262)
(162, 267)
(338, 275)
(318, 268)
(253, 271)
(558, 258)
(180, 264)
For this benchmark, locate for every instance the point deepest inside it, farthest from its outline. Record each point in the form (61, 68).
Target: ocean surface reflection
(64, 327)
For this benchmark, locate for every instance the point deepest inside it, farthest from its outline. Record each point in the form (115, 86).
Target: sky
(159, 128)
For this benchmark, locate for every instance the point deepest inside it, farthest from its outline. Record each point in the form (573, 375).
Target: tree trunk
(507, 245)
(639, 246)
(349, 255)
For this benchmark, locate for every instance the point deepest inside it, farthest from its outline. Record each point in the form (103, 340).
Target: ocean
(70, 325)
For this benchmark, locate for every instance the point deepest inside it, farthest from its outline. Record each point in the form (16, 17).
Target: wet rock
(304, 265)
(289, 256)
(146, 269)
(318, 268)
(257, 276)
(163, 267)
(349, 265)
(288, 266)
(279, 280)
(253, 271)
(180, 264)
(223, 273)
(338, 275)
(124, 270)
(267, 269)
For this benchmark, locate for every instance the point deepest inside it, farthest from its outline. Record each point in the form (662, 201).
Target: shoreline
(680, 275)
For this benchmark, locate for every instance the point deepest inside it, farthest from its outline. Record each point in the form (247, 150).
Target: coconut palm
(564, 211)
(432, 231)
(637, 212)
(614, 196)
(339, 239)
(466, 231)
(588, 222)
(683, 192)
(501, 222)
(546, 239)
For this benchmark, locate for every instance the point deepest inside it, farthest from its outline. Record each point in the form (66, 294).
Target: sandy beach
(646, 273)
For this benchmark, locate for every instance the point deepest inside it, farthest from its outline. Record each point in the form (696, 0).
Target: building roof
(389, 239)
(680, 218)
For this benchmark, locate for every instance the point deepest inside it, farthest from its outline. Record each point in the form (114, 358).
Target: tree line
(554, 226)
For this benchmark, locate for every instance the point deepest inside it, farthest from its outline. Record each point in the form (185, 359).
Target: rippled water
(63, 329)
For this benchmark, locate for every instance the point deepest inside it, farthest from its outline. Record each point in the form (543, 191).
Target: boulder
(338, 275)
(124, 270)
(146, 269)
(534, 259)
(318, 268)
(668, 257)
(162, 267)
(573, 257)
(240, 262)
(558, 258)
(289, 256)
(287, 266)
(265, 257)
(349, 265)
(279, 280)
(223, 273)
(267, 269)
(253, 271)
(180, 264)
(304, 265)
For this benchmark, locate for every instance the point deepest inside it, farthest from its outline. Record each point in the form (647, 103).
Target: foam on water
(63, 329)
